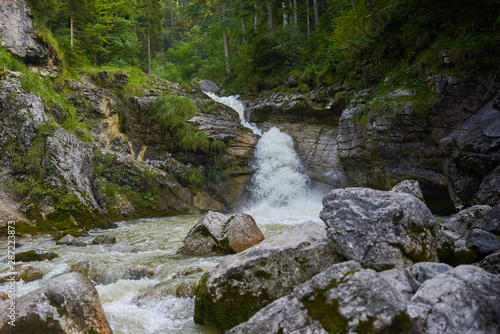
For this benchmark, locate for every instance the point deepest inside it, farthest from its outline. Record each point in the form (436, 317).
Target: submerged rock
(466, 299)
(32, 255)
(67, 304)
(222, 234)
(381, 229)
(240, 285)
(140, 272)
(24, 272)
(189, 271)
(342, 299)
(70, 240)
(104, 239)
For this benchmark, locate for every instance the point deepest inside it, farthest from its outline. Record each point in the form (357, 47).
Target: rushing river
(281, 200)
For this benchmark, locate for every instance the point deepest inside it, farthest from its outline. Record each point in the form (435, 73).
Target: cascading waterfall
(277, 178)
(280, 194)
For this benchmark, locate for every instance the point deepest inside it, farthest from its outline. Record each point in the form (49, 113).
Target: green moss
(326, 312)
(400, 324)
(224, 314)
(365, 327)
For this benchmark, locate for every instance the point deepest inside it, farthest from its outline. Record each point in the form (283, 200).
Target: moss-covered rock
(242, 284)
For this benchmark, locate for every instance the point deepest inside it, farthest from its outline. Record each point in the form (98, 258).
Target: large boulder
(342, 299)
(381, 229)
(474, 159)
(67, 304)
(17, 32)
(466, 299)
(221, 234)
(241, 284)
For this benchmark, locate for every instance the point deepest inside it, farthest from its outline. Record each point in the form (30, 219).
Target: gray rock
(219, 233)
(241, 284)
(104, 239)
(467, 219)
(464, 300)
(70, 240)
(397, 279)
(118, 144)
(17, 31)
(24, 272)
(475, 154)
(342, 299)
(208, 86)
(189, 271)
(491, 263)
(140, 272)
(66, 304)
(22, 115)
(491, 221)
(381, 229)
(73, 162)
(482, 242)
(422, 271)
(119, 80)
(411, 187)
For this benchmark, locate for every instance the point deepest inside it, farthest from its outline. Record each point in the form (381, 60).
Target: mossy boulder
(66, 304)
(342, 299)
(240, 285)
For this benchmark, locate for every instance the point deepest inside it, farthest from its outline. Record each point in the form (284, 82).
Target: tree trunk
(308, 21)
(243, 29)
(149, 50)
(270, 18)
(95, 59)
(285, 14)
(71, 26)
(255, 17)
(295, 16)
(225, 39)
(316, 13)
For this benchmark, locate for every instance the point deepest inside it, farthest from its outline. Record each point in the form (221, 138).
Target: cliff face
(379, 140)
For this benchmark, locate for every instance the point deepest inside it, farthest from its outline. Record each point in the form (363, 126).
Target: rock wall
(379, 148)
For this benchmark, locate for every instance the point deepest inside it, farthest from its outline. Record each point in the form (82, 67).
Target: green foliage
(173, 113)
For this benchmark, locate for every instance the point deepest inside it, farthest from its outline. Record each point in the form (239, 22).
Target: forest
(250, 46)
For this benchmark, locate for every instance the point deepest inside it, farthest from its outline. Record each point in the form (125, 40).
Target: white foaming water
(233, 102)
(281, 198)
(277, 180)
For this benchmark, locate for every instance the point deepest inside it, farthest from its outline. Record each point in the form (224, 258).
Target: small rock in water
(24, 272)
(4, 296)
(70, 240)
(104, 239)
(140, 272)
(32, 255)
(189, 271)
(88, 269)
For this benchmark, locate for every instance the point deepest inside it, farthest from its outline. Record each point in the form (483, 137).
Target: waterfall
(277, 178)
(280, 194)
(233, 102)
